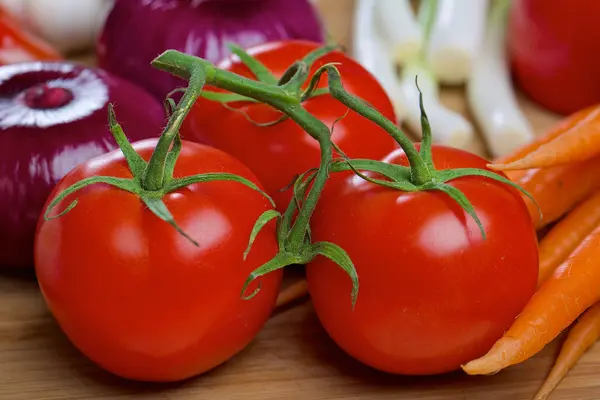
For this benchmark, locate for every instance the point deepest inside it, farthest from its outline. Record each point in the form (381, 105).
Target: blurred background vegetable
(456, 37)
(552, 49)
(490, 91)
(136, 31)
(19, 45)
(69, 25)
(450, 127)
(387, 35)
(53, 116)
(373, 51)
(397, 23)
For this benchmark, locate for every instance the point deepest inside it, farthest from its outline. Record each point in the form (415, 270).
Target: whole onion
(54, 116)
(136, 31)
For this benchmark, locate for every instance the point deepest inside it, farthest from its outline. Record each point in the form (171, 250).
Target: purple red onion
(136, 31)
(54, 116)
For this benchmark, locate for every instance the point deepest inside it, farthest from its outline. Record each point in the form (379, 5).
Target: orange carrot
(567, 234)
(291, 293)
(516, 175)
(579, 142)
(558, 189)
(574, 286)
(581, 337)
(557, 130)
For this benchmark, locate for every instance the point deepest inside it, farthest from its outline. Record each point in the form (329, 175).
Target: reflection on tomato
(433, 293)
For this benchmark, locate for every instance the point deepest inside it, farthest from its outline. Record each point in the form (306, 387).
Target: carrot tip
(482, 366)
(501, 167)
(472, 372)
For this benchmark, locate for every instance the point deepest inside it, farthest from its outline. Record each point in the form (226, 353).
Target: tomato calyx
(291, 252)
(152, 180)
(421, 174)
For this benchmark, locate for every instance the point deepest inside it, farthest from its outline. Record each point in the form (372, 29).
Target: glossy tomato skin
(553, 49)
(276, 154)
(433, 293)
(135, 296)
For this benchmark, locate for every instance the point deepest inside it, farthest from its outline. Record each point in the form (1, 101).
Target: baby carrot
(574, 286)
(558, 189)
(567, 234)
(516, 175)
(580, 141)
(581, 337)
(558, 129)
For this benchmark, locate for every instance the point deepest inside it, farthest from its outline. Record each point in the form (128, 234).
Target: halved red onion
(54, 116)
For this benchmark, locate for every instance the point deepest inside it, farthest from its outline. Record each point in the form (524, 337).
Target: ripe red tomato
(553, 50)
(278, 153)
(433, 293)
(137, 297)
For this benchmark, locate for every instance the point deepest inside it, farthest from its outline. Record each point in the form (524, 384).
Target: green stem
(309, 60)
(135, 162)
(427, 15)
(154, 175)
(420, 172)
(320, 132)
(182, 65)
(294, 78)
(314, 55)
(289, 73)
(259, 70)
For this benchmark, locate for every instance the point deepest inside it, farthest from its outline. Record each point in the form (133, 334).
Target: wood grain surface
(292, 358)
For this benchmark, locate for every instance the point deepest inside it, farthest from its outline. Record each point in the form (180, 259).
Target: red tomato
(137, 297)
(433, 293)
(278, 153)
(553, 48)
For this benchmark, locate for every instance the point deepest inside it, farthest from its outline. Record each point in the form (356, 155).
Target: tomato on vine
(434, 292)
(416, 262)
(140, 255)
(276, 149)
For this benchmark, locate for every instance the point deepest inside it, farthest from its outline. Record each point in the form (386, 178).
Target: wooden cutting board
(292, 358)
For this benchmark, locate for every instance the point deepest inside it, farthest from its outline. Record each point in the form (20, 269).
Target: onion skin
(54, 116)
(136, 31)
